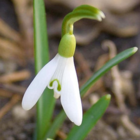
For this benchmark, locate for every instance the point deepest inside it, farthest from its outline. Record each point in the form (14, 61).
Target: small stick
(24, 12)
(6, 94)
(16, 52)
(130, 126)
(61, 134)
(117, 84)
(15, 76)
(8, 32)
(13, 88)
(15, 99)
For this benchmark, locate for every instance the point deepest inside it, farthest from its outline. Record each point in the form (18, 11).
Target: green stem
(72, 17)
(84, 11)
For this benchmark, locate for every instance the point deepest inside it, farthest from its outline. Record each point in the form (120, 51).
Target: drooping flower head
(60, 74)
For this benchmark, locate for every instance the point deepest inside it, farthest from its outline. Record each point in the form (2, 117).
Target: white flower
(59, 74)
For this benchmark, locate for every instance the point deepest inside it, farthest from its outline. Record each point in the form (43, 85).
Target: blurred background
(97, 42)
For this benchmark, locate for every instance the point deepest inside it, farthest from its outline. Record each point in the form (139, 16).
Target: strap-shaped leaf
(56, 124)
(90, 119)
(45, 104)
(114, 61)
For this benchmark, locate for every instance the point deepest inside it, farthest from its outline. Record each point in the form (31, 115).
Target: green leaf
(45, 104)
(114, 61)
(84, 11)
(90, 119)
(117, 59)
(56, 125)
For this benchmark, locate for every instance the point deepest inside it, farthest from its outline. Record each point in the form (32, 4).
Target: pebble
(19, 113)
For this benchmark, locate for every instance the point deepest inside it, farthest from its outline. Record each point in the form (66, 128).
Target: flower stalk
(83, 11)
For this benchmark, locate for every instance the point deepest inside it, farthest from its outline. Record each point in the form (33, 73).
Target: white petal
(39, 84)
(56, 80)
(70, 95)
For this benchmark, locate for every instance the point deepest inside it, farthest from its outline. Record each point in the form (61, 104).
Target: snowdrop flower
(60, 75)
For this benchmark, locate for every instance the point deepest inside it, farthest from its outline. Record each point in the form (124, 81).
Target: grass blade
(114, 61)
(45, 104)
(56, 125)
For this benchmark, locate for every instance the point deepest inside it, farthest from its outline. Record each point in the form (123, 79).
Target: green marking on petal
(58, 87)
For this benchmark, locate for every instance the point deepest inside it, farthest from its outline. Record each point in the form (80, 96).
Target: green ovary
(67, 45)
(58, 87)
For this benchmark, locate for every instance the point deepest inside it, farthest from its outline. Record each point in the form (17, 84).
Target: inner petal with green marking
(55, 84)
(56, 80)
(58, 84)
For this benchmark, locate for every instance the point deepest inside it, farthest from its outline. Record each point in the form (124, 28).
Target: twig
(117, 86)
(130, 126)
(24, 13)
(6, 94)
(15, 99)
(16, 53)
(8, 32)
(61, 134)
(15, 76)
(13, 88)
